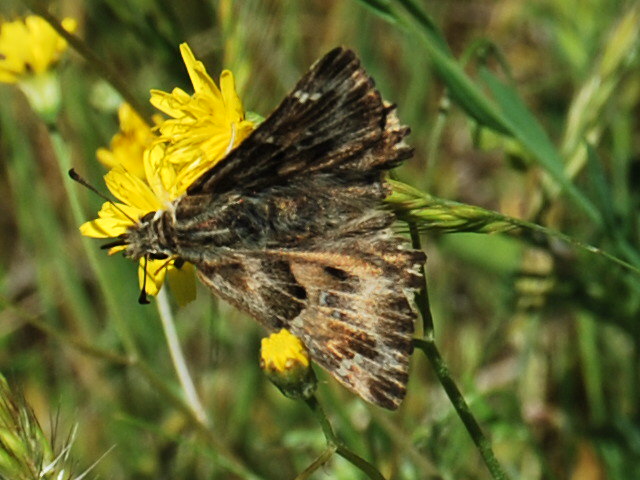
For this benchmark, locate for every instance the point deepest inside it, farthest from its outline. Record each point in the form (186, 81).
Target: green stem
(177, 357)
(428, 346)
(422, 297)
(340, 448)
(317, 463)
(462, 408)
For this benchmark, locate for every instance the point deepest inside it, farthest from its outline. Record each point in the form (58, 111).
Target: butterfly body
(290, 229)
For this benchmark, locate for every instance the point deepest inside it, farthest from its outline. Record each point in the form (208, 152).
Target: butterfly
(290, 229)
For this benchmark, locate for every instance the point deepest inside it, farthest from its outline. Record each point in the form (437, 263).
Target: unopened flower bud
(285, 361)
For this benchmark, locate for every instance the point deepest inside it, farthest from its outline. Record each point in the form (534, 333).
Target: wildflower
(30, 46)
(151, 170)
(204, 126)
(28, 50)
(285, 361)
(128, 145)
(136, 199)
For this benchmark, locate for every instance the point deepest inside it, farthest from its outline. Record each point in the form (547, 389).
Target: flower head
(128, 145)
(152, 167)
(30, 46)
(137, 197)
(285, 360)
(28, 49)
(204, 126)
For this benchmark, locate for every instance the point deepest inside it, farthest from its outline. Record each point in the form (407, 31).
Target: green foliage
(528, 109)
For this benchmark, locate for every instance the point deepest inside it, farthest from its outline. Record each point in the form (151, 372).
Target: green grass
(529, 109)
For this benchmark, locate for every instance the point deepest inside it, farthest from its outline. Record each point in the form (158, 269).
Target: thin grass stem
(177, 357)
(342, 450)
(428, 346)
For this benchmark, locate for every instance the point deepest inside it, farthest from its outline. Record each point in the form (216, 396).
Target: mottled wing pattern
(289, 229)
(349, 302)
(330, 121)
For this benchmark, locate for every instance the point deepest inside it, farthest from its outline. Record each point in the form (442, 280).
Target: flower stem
(340, 448)
(462, 408)
(422, 297)
(177, 357)
(317, 463)
(428, 346)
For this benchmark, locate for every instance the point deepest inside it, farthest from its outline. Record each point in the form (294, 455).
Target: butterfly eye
(158, 256)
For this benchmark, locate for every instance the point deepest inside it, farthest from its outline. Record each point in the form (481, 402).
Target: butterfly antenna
(142, 299)
(76, 177)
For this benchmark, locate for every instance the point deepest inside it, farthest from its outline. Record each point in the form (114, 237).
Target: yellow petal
(156, 271)
(201, 81)
(113, 220)
(183, 283)
(160, 174)
(6, 76)
(103, 228)
(280, 351)
(131, 190)
(169, 103)
(231, 100)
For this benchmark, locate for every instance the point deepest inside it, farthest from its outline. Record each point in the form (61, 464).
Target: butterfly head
(143, 240)
(148, 238)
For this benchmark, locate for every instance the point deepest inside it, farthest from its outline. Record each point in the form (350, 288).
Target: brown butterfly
(289, 228)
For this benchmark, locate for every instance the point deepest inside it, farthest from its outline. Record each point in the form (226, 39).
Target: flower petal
(230, 96)
(201, 81)
(131, 190)
(183, 283)
(156, 270)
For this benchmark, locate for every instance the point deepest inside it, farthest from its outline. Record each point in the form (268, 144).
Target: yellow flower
(283, 351)
(151, 170)
(137, 198)
(128, 145)
(204, 126)
(30, 46)
(138, 195)
(114, 219)
(285, 361)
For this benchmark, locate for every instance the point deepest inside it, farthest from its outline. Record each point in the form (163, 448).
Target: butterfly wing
(333, 119)
(348, 300)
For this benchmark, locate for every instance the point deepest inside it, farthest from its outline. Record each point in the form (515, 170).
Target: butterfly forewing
(333, 115)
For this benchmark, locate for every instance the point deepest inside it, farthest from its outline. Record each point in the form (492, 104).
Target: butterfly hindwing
(349, 302)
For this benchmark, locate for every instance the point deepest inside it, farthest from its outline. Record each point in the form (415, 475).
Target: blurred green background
(542, 338)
